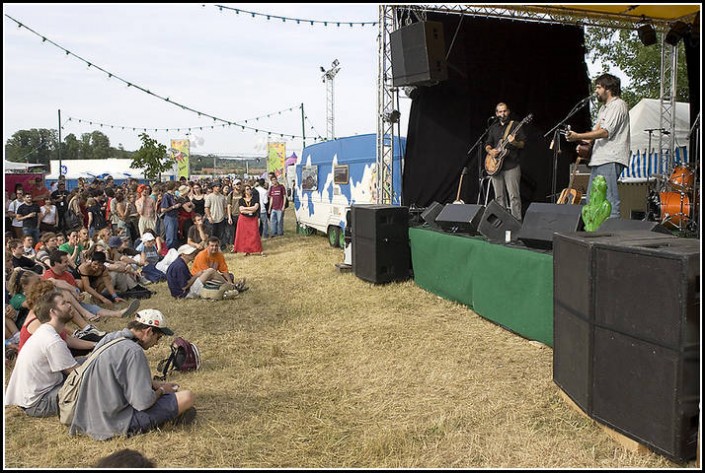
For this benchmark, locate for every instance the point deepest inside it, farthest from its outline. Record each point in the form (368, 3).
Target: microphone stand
(480, 168)
(556, 143)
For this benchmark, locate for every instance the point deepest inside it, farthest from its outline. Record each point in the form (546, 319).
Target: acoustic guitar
(569, 195)
(493, 164)
(583, 148)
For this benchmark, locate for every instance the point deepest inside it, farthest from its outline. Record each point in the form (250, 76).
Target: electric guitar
(569, 195)
(493, 164)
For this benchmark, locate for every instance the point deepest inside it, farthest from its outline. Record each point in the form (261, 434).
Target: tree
(37, 145)
(100, 144)
(152, 156)
(623, 50)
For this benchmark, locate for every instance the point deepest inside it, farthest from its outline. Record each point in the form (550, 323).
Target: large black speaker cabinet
(429, 215)
(542, 220)
(648, 392)
(573, 306)
(418, 54)
(627, 333)
(460, 218)
(496, 222)
(380, 243)
(621, 224)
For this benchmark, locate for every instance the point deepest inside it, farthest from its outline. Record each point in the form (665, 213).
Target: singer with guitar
(505, 137)
(610, 137)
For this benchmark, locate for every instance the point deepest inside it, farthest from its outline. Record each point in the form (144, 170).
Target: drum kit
(675, 200)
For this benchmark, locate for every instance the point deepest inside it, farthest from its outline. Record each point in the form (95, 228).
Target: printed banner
(180, 152)
(276, 153)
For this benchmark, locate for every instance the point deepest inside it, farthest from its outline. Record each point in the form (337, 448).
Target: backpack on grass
(184, 357)
(68, 394)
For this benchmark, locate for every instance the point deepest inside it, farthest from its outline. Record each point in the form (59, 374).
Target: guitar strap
(506, 132)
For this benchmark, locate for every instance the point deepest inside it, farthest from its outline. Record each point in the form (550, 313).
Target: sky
(232, 66)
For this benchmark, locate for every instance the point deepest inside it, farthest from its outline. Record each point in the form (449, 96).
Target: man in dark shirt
(60, 198)
(506, 180)
(19, 260)
(28, 213)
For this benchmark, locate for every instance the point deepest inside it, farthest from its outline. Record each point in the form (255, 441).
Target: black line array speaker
(622, 224)
(542, 220)
(418, 54)
(429, 215)
(627, 334)
(380, 243)
(460, 218)
(496, 221)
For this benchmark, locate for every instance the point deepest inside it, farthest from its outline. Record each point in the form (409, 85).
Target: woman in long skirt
(247, 239)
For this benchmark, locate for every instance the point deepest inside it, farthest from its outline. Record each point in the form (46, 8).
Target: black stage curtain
(535, 68)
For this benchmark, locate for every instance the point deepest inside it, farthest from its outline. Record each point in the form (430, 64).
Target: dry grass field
(314, 368)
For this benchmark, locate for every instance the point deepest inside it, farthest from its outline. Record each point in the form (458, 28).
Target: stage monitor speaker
(380, 243)
(621, 224)
(496, 222)
(460, 218)
(429, 215)
(418, 54)
(573, 306)
(648, 392)
(542, 220)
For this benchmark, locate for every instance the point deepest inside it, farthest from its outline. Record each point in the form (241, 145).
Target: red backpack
(184, 357)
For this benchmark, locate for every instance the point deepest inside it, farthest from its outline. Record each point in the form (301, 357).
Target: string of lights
(298, 21)
(188, 128)
(111, 75)
(318, 135)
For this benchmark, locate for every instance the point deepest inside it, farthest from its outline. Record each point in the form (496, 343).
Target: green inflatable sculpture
(599, 208)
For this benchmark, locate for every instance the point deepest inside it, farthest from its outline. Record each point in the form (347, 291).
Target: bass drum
(670, 208)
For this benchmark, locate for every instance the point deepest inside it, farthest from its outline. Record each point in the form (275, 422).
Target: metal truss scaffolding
(385, 104)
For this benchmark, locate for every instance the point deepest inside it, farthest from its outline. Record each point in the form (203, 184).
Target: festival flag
(180, 152)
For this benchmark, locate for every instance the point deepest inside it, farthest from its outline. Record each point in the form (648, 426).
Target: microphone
(587, 99)
(492, 119)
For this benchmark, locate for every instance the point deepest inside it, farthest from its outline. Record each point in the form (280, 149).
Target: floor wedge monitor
(460, 218)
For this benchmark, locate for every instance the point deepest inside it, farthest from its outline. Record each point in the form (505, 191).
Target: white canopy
(646, 115)
(12, 166)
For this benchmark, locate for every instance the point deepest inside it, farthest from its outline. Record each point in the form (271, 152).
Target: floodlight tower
(328, 77)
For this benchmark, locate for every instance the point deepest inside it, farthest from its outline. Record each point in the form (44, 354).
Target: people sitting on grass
(184, 284)
(148, 259)
(77, 346)
(62, 279)
(118, 395)
(19, 260)
(45, 360)
(97, 281)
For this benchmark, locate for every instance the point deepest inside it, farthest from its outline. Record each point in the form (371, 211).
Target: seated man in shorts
(118, 396)
(183, 284)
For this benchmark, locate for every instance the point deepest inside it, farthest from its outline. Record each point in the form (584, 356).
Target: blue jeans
(171, 228)
(610, 172)
(263, 225)
(276, 222)
(34, 233)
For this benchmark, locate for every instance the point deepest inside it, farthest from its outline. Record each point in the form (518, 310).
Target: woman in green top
(18, 285)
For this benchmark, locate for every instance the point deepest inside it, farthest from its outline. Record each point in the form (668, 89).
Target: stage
(509, 285)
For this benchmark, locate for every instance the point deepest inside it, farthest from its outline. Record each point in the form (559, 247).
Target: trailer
(333, 175)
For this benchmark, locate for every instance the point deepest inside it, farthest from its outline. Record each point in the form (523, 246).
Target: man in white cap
(184, 284)
(118, 396)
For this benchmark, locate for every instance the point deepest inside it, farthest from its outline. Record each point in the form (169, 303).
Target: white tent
(646, 115)
(19, 167)
(118, 168)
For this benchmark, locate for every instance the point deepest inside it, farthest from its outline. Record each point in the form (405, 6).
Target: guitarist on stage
(509, 176)
(610, 137)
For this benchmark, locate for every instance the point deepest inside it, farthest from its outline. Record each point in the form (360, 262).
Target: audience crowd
(75, 256)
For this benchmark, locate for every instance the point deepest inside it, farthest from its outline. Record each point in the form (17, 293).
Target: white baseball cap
(153, 318)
